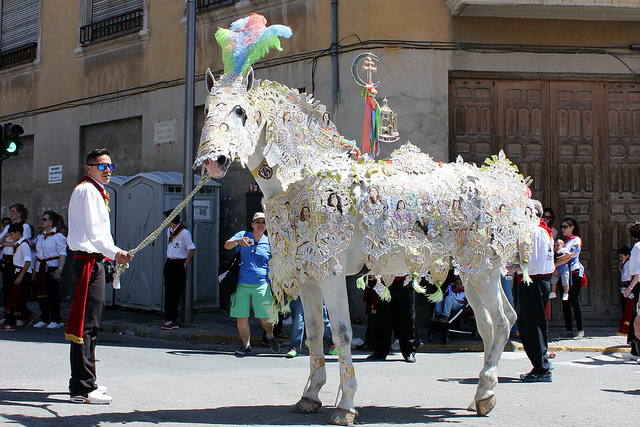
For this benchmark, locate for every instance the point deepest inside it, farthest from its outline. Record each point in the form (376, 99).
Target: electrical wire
(616, 52)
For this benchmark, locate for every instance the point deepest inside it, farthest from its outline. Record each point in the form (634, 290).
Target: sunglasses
(44, 219)
(103, 166)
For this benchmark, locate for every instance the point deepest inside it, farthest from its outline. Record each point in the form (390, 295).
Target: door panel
(580, 142)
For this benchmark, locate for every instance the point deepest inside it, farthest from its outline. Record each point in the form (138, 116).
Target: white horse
(330, 214)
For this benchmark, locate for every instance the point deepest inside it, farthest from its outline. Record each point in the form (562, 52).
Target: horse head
(232, 124)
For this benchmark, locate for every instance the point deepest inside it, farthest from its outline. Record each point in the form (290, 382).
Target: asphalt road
(163, 382)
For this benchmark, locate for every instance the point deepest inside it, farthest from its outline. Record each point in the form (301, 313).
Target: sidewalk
(218, 328)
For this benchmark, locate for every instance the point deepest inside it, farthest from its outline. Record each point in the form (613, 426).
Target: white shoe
(565, 297)
(95, 397)
(552, 295)
(102, 388)
(53, 325)
(40, 324)
(20, 323)
(630, 357)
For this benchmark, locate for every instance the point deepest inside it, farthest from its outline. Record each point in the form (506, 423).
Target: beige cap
(257, 215)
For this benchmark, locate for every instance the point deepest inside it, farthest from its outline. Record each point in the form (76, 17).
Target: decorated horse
(331, 212)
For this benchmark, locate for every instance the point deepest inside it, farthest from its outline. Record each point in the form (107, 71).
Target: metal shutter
(19, 23)
(105, 9)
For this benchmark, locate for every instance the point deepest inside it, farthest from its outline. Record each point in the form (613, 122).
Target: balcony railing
(202, 5)
(107, 28)
(25, 53)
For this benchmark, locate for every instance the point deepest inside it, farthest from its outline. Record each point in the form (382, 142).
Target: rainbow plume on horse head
(247, 40)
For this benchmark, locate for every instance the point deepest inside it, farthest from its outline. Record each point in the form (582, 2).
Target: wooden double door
(579, 140)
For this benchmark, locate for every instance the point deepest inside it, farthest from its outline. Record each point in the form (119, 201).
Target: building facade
(553, 83)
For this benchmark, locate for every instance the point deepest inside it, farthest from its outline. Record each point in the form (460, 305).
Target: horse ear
(210, 80)
(249, 79)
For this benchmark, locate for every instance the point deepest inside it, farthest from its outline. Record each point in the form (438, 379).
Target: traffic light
(11, 143)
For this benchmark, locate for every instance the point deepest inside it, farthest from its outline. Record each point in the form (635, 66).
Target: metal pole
(187, 184)
(335, 77)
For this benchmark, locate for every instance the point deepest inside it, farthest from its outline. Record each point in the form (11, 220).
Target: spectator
(17, 214)
(180, 250)
(90, 239)
(253, 282)
(397, 315)
(561, 273)
(452, 302)
(549, 216)
(297, 328)
(634, 271)
(533, 298)
(625, 277)
(51, 252)
(16, 311)
(571, 235)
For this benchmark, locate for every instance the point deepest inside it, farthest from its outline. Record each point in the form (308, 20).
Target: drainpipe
(334, 54)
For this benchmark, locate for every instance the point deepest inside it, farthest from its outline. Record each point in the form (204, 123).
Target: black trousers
(532, 321)
(50, 305)
(7, 269)
(175, 280)
(397, 315)
(83, 356)
(573, 304)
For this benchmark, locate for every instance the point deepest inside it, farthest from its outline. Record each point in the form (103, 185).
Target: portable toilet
(114, 188)
(142, 201)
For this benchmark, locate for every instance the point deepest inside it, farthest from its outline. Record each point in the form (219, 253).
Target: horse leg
(335, 293)
(311, 297)
(494, 325)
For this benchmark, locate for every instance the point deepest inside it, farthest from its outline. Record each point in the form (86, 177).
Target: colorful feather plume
(247, 40)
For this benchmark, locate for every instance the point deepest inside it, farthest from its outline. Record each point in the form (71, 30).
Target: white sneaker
(552, 295)
(102, 388)
(20, 323)
(565, 297)
(95, 397)
(40, 324)
(53, 325)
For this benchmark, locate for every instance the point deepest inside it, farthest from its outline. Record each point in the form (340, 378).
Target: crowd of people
(32, 265)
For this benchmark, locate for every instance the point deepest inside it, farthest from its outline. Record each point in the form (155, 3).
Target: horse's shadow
(38, 401)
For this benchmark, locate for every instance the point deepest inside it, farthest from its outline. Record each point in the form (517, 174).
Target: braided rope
(153, 236)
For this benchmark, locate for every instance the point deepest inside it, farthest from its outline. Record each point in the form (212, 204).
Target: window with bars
(18, 31)
(202, 5)
(112, 18)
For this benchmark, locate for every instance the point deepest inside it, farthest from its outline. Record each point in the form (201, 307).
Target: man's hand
(123, 257)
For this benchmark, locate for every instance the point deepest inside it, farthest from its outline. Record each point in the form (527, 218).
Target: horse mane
(297, 139)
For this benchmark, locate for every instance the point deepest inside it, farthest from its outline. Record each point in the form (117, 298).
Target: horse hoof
(343, 417)
(484, 406)
(307, 406)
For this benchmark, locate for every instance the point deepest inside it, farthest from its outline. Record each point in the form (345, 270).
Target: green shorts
(258, 296)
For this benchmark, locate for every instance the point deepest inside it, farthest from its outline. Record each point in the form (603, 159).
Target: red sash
(623, 329)
(175, 232)
(544, 225)
(41, 284)
(75, 322)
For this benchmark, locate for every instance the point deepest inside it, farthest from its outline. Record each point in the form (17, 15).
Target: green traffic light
(11, 147)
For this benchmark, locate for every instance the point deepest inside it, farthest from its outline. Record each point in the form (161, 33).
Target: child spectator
(625, 276)
(454, 300)
(561, 274)
(16, 305)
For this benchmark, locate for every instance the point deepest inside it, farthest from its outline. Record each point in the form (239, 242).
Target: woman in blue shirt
(253, 282)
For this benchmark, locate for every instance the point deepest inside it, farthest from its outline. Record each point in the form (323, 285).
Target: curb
(199, 337)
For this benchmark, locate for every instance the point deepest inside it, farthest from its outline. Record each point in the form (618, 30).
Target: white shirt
(541, 261)
(22, 255)
(50, 245)
(8, 243)
(89, 225)
(180, 245)
(634, 260)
